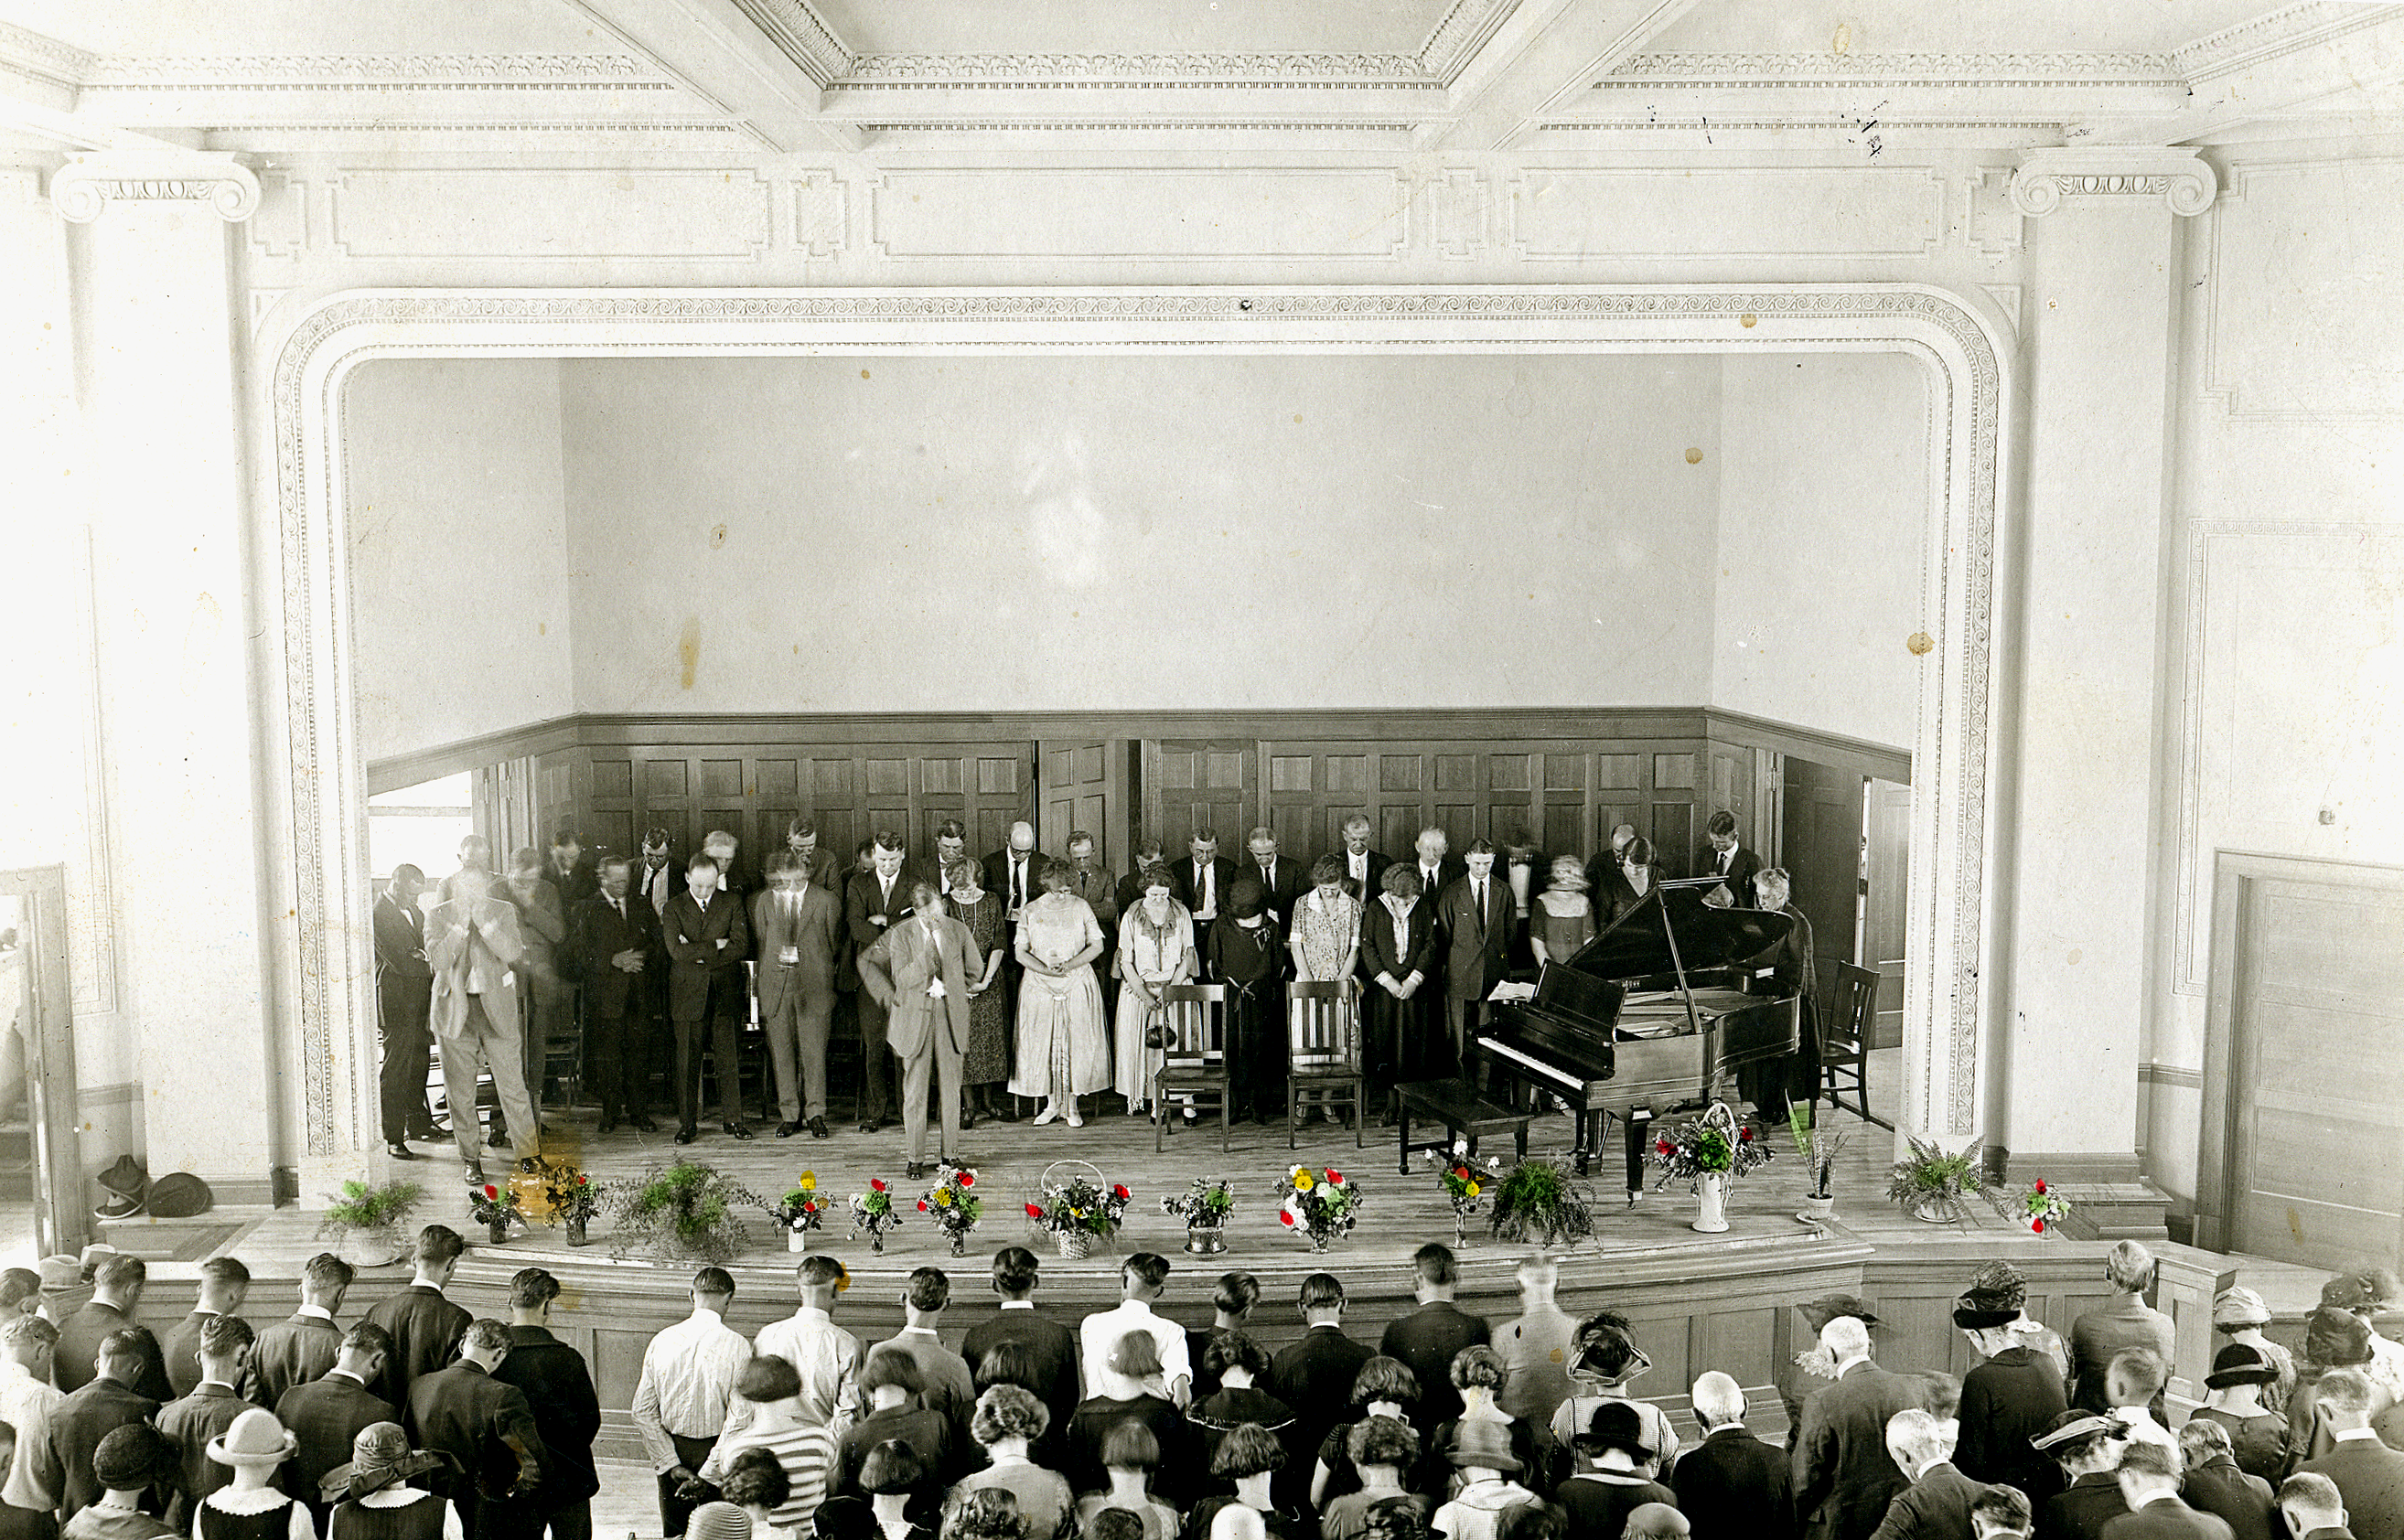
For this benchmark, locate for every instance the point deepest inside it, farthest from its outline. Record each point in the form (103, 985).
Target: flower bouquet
(799, 1212)
(1080, 1211)
(874, 1212)
(954, 1203)
(1318, 1203)
(1464, 1184)
(1537, 1200)
(567, 1194)
(683, 1213)
(2040, 1208)
(1705, 1153)
(497, 1209)
(1204, 1206)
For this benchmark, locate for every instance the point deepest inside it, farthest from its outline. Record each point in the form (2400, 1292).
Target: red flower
(2040, 1184)
(582, 1179)
(1461, 1173)
(2037, 1225)
(1286, 1214)
(1336, 1177)
(1033, 1211)
(491, 1191)
(1121, 1192)
(1744, 1136)
(968, 1179)
(922, 1205)
(1661, 1144)
(878, 1182)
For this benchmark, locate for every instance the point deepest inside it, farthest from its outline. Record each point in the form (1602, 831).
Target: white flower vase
(797, 1239)
(1710, 1202)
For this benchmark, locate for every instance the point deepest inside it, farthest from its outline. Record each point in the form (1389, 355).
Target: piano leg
(1581, 1124)
(1640, 1133)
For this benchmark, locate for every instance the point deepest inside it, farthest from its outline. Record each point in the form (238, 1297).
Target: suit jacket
(477, 960)
(1052, 1346)
(1477, 946)
(658, 885)
(1313, 1374)
(1377, 953)
(1843, 1478)
(466, 1413)
(576, 884)
(399, 945)
(325, 1414)
(1934, 1508)
(1224, 876)
(1451, 870)
(1292, 881)
(2081, 1511)
(692, 934)
(596, 935)
(2167, 1518)
(1378, 862)
(2370, 1477)
(79, 1337)
(997, 877)
(293, 1352)
(2005, 1401)
(816, 933)
(62, 1456)
(2244, 1502)
(1427, 1339)
(426, 1331)
(897, 968)
(1608, 885)
(559, 1390)
(180, 1349)
(1100, 888)
(542, 924)
(190, 1423)
(864, 899)
(1734, 1487)
(1742, 863)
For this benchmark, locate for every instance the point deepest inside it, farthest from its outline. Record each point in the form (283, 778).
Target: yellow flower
(809, 1181)
(942, 1196)
(1472, 1189)
(1302, 1182)
(1076, 1213)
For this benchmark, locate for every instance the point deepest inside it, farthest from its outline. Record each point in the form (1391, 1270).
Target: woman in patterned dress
(986, 1062)
(1156, 951)
(1063, 1052)
(1326, 943)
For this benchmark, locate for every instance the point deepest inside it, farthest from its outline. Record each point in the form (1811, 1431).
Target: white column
(2078, 836)
(155, 298)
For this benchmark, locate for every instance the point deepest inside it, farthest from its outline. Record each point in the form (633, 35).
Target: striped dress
(807, 1454)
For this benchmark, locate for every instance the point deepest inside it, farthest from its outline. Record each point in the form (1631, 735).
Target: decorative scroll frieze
(336, 70)
(2176, 176)
(82, 188)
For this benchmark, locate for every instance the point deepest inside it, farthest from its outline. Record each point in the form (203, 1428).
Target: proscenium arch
(1951, 925)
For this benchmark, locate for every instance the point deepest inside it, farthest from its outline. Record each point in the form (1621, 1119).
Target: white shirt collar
(2349, 1435)
(922, 1331)
(320, 1311)
(1018, 1304)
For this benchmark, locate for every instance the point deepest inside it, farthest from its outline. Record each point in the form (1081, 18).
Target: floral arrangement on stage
(686, 1212)
(1078, 1210)
(872, 1213)
(1464, 1186)
(1710, 1145)
(1537, 1200)
(2040, 1208)
(954, 1203)
(1203, 1205)
(1818, 1147)
(497, 1209)
(568, 1194)
(1930, 1183)
(1319, 1204)
(801, 1210)
(368, 1221)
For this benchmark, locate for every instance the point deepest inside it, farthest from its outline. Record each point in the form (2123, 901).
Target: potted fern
(1536, 1201)
(684, 1212)
(1930, 1183)
(1818, 1147)
(368, 1223)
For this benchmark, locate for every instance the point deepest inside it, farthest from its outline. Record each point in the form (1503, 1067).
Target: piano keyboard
(1557, 1077)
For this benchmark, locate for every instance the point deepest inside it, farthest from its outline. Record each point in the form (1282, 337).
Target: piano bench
(1457, 1106)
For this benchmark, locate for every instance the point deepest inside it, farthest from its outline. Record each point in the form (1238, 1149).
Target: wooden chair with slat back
(1323, 1051)
(1847, 1006)
(1194, 1054)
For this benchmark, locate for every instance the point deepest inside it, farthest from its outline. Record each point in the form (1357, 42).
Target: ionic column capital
(87, 184)
(2183, 181)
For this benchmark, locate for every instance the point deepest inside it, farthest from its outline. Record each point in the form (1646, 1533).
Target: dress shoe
(430, 1131)
(968, 1119)
(1005, 1115)
(917, 1171)
(499, 1139)
(868, 1126)
(818, 1129)
(607, 1125)
(687, 1134)
(786, 1130)
(738, 1131)
(641, 1124)
(400, 1151)
(476, 1176)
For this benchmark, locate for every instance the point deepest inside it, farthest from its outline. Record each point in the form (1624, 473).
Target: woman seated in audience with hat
(2333, 1339)
(1615, 1474)
(1490, 1487)
(256, 1445)
(2258, 1437)
(129, 1462)
(2240, 1314)
(1479, 1374)
(371, 1502)
(2368, 1292)
(1608, 1361)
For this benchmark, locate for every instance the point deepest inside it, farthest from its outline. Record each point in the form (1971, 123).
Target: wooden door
(1192, 785)
(1885, 902)
(2316, 1073)
(1083, 787)
(1824, 853)
(1673, 824)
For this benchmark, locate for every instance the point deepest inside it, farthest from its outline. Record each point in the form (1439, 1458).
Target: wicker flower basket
(1078, 1244)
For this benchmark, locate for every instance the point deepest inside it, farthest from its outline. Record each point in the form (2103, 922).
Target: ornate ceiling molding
(375, 70)
(2274, 35)
(802, 36)
(1740, 70)
(41, 57)
(2047, 176)
(82, 189)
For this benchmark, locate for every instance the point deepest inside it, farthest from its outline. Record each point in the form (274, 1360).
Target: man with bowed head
(1843, 1477)
(918, 972)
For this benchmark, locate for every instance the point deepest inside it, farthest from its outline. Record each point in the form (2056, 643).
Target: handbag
(1155, 1025)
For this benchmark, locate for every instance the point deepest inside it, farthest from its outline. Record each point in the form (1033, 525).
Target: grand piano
(1656, 1014)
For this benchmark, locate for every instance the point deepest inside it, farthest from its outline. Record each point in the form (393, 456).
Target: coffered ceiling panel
(181, 28)
(1133, 26)
(1950, 26)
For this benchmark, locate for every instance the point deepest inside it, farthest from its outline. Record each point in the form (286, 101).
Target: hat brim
(117, 1206)
(1589, 1443)
(1817, 1315)
(343, 1481)
(126, 1177)
(1983, 1319)
(2223, 1379)
(224, 1456)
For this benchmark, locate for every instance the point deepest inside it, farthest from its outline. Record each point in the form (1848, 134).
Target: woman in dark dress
(1247, 956)
(374, 1505)
(985, 1062)
(1400, 1010)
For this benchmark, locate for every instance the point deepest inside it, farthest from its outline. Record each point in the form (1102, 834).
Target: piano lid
(1635, 947)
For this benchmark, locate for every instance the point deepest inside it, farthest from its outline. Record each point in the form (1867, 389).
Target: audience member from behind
(991, 1515)
(2134, 1385)
(1490, 1487)
(2312, 1508)
(896, 1412)
(1143, 1278)
(1431, 1336)
(2087, 1446)
(1608, 1361)
(2212, 1483)
(1008, 1422)
(1657, 1521)
(1383, 1388)
(2010, 1397)
(1318, 1375)
(1843, 1478)
(558, 1387)
(683, 1393)
(21, 1524)
(2333, 1339)
(1615, 1474)
(81, 1423)
(1936, 1505)
(131, 1462)
(1231, 1309)
(424, 1327)
(2102, 1334)
(896, 1479)
(1381, 1449)
(1536, 1347)
(2369, 1475)
(2001, 1513)
(487, 1430)
(327, 1414)
(758, 1485)
(118, 1281)
(1478, 1377)
(225, 1282)
(803, 1452)
(2148, 1474)
(1129, 1455)
(255, 1447)
(191, 1422)
(1234, 1362)
(1247, 1457)
(296, 1351)
(1236, 1522)
(2240, 1314)
(1051, 1346)
(2233, 1403)
(1130, 1378)
(27, 1399)
(1732, 1486)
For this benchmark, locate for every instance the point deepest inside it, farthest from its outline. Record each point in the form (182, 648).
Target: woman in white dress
(1325, 938)
(1156, 951)
(1062, 1051)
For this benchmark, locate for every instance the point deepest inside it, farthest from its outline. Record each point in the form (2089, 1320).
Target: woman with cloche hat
(256, 1445)
(2258, 1435)
(2240, 1314)
(373, 1504)
(127, 1462)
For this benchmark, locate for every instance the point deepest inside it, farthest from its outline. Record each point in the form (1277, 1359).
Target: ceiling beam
(1540, 63)
(2315, 68)
(713, 50)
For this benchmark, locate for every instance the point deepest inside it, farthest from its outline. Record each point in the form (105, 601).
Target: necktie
(1269, 875)
(620, 904)
(1018, 883)
(1481, 901)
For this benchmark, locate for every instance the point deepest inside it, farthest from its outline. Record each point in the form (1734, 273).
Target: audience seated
(1732, 1486)
(1129, 1455)
(1490, 1486)
(892, 1383)
(1936, 1505)
(2148, 1474)
(2213, 1483)
(2312, 1508)
(2001, 1513)
(1615, 1474)
(2369, 1475)
(1381, 1449)
(2087, 1446)
(1232, 1361)
(1245, 1458)
(1130, 1378)
(1008, 1422)
(1383, 1388)
(1608, 1361)
(2102, 1334)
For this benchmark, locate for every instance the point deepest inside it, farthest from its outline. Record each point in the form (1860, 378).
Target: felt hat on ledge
(127, 1187)
(180, 1195)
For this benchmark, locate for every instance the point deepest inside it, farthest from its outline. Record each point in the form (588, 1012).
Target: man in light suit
(475, 949)
(707, 939)
(404, 998)
(1475, 916)
(918, 971)
(1203, 878)
(799, 923)
(1731, 862)
(617, 940)
(874, 902)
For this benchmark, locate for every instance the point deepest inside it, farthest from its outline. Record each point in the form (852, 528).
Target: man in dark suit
(708, 939)
(558, 1388)
(206, 1411)
(224, 1283)
(487, 1427)
(2012, 1395)
(1427, 1338)
(825, 870)
(615, 937)
(799, 923)
(1051, 1346)
(327, 1413)
(1098, 886)
(1936, 1505)
(1439, 868)
(1731, 862)
(118, 1280)
(2369, 1475)
(404, 994)
(1363, 868)
(1015, 873)
(1313, 1375)
(1475, 917)
(2313, 1507)
(1732, 1486)
(2213, 1483)
(1843, 1478)
(569, 871)
(297, 1351)
(874, 901)
(423, 1327)
(2087, 1446)
(62, 1454)
(1203, 878)
(2148, 1474)
(1281, 880)
(1607, 883)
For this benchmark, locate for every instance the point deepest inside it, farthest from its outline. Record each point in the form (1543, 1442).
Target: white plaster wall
(459, 577)
(1823, 502)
